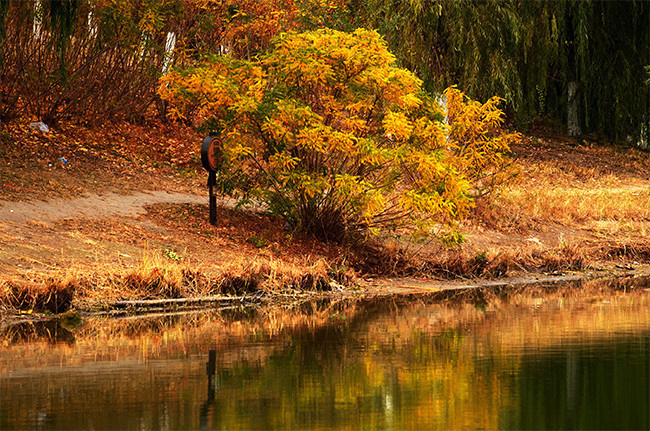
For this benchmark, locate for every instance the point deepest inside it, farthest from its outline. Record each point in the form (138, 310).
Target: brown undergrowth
(498, 262)
(463, 263)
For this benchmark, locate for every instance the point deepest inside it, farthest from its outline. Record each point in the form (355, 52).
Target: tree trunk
(573, 121)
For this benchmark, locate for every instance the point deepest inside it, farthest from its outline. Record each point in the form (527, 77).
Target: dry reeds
(53, 296)
(158, 277)
(470, 263)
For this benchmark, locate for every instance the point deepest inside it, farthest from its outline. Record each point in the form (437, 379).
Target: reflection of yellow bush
(336, 139)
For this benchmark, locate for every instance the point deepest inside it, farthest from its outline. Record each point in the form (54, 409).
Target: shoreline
(131, 224)
(403, 289)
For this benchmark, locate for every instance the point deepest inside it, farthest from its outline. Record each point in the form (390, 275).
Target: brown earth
(99, 211)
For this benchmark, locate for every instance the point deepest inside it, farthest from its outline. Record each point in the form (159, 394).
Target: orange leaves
(251, 24)
(213, 88)
(397, 126)
(343, 143)
(283, 162)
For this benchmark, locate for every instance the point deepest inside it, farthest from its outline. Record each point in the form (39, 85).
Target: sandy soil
(90, 206)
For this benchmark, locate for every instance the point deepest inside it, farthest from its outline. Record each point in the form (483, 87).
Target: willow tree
(468, 43)
(611, 47)
(530, 53)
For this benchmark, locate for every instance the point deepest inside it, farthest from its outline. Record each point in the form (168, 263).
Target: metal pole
(212, 180)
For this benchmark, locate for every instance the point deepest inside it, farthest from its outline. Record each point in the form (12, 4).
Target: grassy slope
(577, 205)
(587, 204)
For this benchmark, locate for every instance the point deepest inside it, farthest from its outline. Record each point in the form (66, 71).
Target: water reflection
(573, 357)
(211, 371)
(51, 330)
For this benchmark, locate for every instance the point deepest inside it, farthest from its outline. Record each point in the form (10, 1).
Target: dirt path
(93, 230)
(107, 232)
(91, 206)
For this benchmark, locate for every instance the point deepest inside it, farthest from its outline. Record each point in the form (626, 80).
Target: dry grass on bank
(581, 186)
(157, 277)
(575, 206)
(548, 194)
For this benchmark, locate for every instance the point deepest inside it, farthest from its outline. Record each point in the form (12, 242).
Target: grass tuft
(53, 297)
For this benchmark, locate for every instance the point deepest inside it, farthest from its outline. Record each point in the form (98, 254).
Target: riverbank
(92, 217)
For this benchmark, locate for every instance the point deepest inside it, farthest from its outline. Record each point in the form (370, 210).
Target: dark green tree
(530, 53)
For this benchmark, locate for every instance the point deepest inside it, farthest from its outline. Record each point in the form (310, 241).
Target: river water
(569, 357)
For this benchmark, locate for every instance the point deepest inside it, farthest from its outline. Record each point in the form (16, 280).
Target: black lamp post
(211, 158)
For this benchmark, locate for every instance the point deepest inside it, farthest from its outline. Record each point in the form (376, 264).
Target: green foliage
(608, 45)
(172, 255)
(257, 241)
(464, 42)
(527, 53)
(329, 134)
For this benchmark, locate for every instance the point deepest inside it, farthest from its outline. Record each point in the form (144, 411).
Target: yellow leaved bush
(327, 132)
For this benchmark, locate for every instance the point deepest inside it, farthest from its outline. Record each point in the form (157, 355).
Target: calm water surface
(575, 358)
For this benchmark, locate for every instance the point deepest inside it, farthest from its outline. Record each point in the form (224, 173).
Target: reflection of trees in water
(585, 386)
(210, 371)
(441, 366)
(350, 376)
(127, 394)
(310, 315)
(102, 339)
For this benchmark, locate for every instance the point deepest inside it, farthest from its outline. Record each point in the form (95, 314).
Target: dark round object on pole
(211, 159)
(211, 154)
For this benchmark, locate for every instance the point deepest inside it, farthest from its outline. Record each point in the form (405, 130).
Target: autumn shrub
(88, 61)
(481, 148)
(327, 132)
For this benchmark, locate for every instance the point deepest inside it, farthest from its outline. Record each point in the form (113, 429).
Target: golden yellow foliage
(329, 133)
(481, 146)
